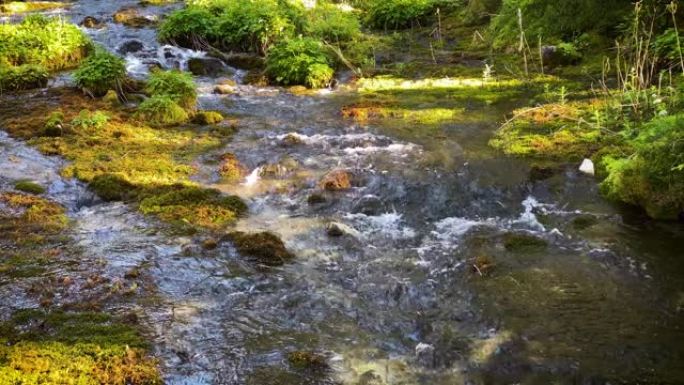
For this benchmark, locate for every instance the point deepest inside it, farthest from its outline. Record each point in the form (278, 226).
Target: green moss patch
(86, 348)
(520, 242)
(29, 187)
(266, 248)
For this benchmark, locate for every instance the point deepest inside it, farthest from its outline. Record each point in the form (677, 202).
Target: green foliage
(397, 14)
(478, 10)
(251, 25)
(328, 22)
(161, 110)
(666, 45)
(175, 85)
(23, 77)
(29, 187)
(79, 348)
(653, 177)
(87, 119)
(299, 61)
(100, 72)
(552, 19)
(51, 43)
(189, 27)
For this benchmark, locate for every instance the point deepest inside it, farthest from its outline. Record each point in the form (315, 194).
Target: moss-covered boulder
(110, 187)
(265, 247)
(206, 118)
(307, 360)
(231, 169)
(131, 17)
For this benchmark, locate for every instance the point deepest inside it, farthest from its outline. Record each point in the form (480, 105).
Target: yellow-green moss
(86, 348)
(29, 187)
(30, 6)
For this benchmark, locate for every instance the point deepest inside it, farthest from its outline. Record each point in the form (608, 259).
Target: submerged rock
(336, 229)
(265, 247)
(483, 265)
(523, 242)
(307, 360)
(225, 87)
(425, 354)
(131, 46)
(291, 140)
(368, 205)
(91, 22)
(206, 66)
(316, 198)
(336, 180)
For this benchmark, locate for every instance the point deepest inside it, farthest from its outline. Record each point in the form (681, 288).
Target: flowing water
(398, 299)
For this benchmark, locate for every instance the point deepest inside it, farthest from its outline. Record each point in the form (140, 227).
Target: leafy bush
(299, 61)
(50, 42)
(552, 19)
(161, 110)
(251, 25)
(330, 23)
(177, 86)
(397, 14)
(100, 72)
(189, 27)
(23, 77)
(87, 119)
(653, 177)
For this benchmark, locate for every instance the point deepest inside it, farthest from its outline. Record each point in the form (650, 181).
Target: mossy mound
(29, 187)
(111, 187)
(123, 159)
(266, 248)
(23, 77)
(521, 242)
(552, 131)
(207, 118)
(187, 204)
(161, 111)
(307, 360)
(230, 169)
(36, 214)
(86, 348)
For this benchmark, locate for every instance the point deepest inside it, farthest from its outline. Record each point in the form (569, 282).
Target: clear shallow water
(398, 302)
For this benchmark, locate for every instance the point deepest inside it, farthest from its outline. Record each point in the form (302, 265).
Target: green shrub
(478, 10)
(251, 25)
(190, 27)
(161, 110)
(87, 119)
(176, 85)
(330, 23)
(100, 72)
(552, 19)
(23, 77)
(299, 61)
(50, 42)
(653, 177)
(397, 14)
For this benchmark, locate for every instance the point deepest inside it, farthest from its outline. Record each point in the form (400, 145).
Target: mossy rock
(194, 206)
(520, 242)
(131, 17)
(206, 118)
(265, 247)
(336, 180)
(231, 170)
(111, 187)
(583, 222)
(29, 187)
(483, 265)
(315, 199)
(307, 360)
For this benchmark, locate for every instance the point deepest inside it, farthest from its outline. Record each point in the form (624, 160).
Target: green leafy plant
(100, 72)
(23, 77)
(330, 23)
(175, 85)
(299, 61)
(397, 14)
(51, 43)
(87, 119)
(190, 27)
(161, 110)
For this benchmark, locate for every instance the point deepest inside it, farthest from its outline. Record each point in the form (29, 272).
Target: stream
(396, 300)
